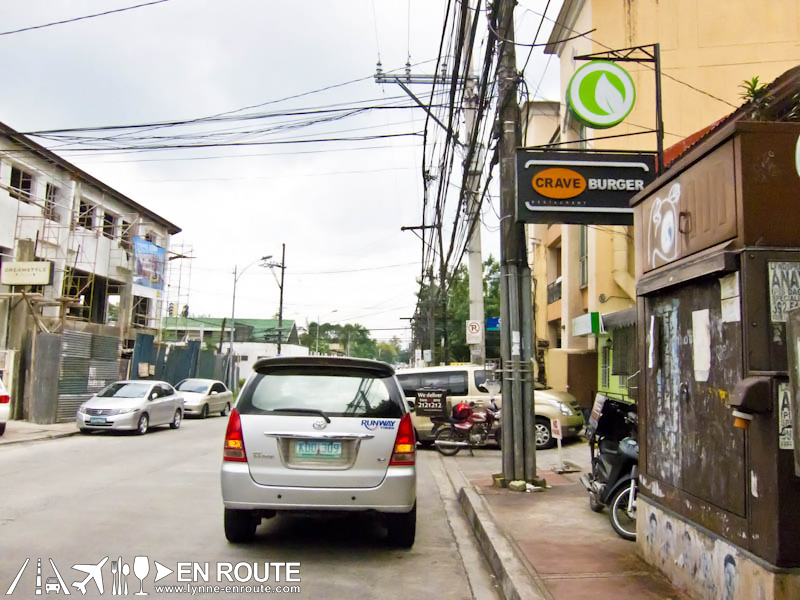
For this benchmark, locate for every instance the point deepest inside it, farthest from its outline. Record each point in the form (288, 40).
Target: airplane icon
(93, 573)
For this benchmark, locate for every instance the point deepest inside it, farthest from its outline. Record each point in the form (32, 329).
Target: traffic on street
(69, 504)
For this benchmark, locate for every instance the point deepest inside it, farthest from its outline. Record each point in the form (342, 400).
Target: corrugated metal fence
(88, 363)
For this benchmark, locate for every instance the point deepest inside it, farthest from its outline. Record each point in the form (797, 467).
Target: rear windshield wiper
(309, 411)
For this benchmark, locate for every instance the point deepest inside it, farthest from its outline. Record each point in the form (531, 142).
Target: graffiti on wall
(712, 568)
(662, 238)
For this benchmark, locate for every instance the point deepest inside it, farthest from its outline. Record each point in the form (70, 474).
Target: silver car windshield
(335, 395)
(125, 390)
(199, 387)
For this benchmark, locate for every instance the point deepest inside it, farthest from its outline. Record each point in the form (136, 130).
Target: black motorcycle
(613, 482)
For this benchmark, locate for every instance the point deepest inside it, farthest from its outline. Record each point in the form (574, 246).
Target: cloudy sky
(338, 206)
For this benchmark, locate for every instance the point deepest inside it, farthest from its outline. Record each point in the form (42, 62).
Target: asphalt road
(80, 499)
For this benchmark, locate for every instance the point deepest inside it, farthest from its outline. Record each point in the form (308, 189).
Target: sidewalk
(18, 432)
(549, 544)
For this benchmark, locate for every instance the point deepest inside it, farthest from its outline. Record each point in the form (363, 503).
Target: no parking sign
(474, 332)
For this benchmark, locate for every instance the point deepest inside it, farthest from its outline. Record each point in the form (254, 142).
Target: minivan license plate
(318, 449)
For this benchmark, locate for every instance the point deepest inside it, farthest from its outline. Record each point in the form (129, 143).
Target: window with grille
(51, 197)
(584, 256)
(605, 367)
(624, 344)
(21, 185)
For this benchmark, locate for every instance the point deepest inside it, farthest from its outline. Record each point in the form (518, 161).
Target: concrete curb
(511, 572)
(50, 436)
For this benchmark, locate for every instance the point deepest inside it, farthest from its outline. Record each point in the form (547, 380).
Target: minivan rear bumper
(397, 493)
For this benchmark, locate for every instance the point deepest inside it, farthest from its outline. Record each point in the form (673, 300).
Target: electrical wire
(92, 16)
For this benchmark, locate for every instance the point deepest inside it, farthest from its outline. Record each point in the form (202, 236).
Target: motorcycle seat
(608, 446)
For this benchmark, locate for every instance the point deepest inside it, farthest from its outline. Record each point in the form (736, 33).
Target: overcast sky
(338, 206)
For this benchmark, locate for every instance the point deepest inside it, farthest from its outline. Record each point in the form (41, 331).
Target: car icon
(51, 585)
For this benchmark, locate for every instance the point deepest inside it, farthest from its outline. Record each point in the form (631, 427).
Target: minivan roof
(380, 369)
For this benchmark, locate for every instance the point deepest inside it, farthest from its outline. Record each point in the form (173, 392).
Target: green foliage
(757, 95)
(349, 340)
(458, 312)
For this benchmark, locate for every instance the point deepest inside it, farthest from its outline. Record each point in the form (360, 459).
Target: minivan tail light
(4, 399)
(405, 444)
(234, 440)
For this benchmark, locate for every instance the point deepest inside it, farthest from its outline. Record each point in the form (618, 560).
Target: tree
(386, 352)
(458, 313)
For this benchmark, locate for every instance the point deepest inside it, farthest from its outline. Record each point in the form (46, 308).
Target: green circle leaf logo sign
(601, 94)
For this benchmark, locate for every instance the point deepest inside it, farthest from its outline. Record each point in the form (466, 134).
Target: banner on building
(150, 263)
(580, 188)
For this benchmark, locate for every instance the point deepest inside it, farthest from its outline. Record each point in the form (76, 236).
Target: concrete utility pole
(519, 441)
(282, 267)
(473, 180)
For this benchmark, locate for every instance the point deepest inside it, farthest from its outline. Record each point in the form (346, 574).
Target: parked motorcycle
(613, 482)
(466, 428)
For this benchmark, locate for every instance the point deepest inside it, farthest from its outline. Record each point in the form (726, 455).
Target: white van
(464, 383)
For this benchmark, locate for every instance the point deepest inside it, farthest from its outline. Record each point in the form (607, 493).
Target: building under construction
(82, 271)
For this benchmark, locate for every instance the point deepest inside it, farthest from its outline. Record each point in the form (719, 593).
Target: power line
(108, 12)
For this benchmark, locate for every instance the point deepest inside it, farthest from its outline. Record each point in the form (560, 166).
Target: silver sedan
(202, 397)
(132, 406)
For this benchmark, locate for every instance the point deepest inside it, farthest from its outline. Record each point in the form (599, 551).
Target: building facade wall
(704, 60)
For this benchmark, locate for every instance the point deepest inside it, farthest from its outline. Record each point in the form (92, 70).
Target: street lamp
(316, 349)
(231, 369)
(282, 266)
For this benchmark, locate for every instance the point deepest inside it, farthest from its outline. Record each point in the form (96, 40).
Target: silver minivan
(311, 433)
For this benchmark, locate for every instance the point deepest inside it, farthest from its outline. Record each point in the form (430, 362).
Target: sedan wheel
(144, 424)
(204, 412)
(544, 438)
(176, 420)
(224, 411)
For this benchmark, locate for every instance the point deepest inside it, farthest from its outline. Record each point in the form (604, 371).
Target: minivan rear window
(341, 395)
(455, 382)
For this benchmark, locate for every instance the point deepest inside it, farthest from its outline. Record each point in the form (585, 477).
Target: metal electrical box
(718, 266)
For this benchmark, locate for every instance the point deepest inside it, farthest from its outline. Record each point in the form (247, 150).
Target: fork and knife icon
(119, 571)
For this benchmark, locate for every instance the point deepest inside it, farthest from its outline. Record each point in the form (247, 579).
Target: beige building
(704, 60)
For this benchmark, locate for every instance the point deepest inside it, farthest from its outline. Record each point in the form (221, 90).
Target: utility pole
(282, 267)
(476, 312)
(519, 442)
(473, 180)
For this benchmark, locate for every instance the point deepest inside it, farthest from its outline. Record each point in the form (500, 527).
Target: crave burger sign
(580, 188)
